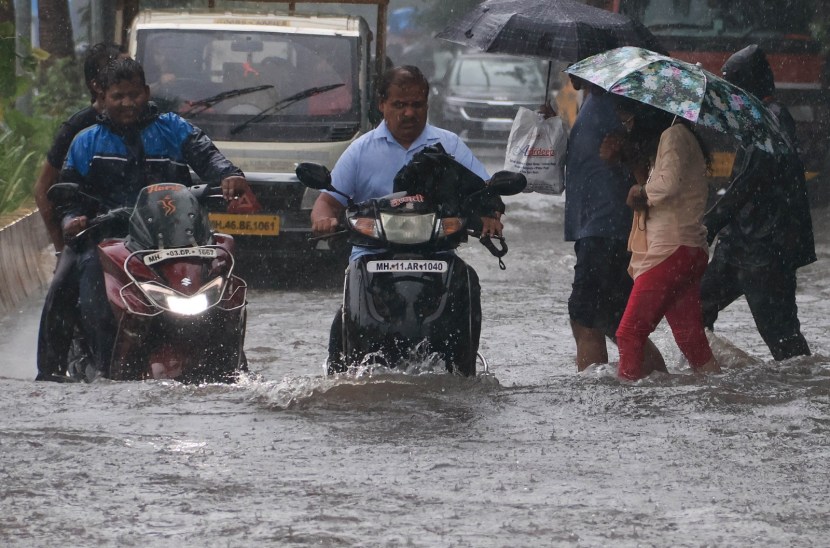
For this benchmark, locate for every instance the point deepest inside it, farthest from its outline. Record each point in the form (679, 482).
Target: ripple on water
(365, 387)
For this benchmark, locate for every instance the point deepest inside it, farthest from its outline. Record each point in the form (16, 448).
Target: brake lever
(327, 236)
(99, 221)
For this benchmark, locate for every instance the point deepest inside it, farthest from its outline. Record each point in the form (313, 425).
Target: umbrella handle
(547, 82)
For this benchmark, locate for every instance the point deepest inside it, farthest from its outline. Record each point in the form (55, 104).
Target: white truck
(271, 90)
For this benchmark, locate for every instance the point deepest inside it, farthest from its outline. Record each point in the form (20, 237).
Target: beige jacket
(677, 192)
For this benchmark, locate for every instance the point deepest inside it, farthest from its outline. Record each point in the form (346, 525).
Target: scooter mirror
(62, 193)
(314, 176)
(507, 183)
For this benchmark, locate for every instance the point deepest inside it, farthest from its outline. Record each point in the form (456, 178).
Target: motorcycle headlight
(408, 229)
(175, 302)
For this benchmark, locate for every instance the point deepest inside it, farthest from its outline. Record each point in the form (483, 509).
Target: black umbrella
(564, 30)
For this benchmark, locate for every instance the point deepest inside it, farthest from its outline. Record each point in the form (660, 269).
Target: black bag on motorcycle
(436, 175)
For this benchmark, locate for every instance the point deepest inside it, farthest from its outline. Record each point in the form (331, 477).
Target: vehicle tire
(465, 362)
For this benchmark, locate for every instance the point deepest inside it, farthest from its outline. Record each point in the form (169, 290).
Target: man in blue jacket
(131, 147)
(60, 314)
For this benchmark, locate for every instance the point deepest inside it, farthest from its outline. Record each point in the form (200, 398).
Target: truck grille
(482, 111)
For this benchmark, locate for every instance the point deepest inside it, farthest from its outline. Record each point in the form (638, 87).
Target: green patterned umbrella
(685, 90)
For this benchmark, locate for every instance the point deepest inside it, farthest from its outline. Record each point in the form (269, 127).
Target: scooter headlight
(408, 229)
(185, 305)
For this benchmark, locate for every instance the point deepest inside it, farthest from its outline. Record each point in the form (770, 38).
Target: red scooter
(180, 310)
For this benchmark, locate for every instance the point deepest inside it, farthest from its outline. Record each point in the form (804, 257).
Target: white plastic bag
(536, 148)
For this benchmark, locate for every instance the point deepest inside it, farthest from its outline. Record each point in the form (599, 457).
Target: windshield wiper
(219, 97)
(284, 103)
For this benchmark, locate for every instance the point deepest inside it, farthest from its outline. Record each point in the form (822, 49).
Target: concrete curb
(26, 260)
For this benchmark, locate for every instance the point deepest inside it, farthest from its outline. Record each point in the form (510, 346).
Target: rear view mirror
(62, 193)
(247, 44)
(316, 176)
(507, 183)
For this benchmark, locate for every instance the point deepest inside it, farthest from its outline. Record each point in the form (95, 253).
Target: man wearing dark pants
(598, 222)
(763, 225)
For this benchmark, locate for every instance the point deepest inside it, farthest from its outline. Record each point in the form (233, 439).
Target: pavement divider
(26, 258)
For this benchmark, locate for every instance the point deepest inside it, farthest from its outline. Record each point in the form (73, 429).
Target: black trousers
(770, 294)
(59, 317)
(76, 297)
(336, 334)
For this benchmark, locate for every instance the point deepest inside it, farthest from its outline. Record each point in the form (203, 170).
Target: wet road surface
(533, 454)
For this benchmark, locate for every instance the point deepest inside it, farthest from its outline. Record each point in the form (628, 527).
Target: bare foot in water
(709, 367)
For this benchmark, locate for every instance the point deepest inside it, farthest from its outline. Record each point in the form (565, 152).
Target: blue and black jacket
(113, 164)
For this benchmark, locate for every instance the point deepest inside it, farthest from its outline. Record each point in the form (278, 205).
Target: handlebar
(104, 219)
(341, 232)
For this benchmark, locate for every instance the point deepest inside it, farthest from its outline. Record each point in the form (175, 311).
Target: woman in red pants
(668, 245)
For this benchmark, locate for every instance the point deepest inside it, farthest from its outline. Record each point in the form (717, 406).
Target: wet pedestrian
(597, 221)
(667, 239)
(763, 225)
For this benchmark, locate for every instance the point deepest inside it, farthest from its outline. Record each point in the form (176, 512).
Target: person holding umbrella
(667, 241)
(597, 221)
(763, 225)
(692, 95)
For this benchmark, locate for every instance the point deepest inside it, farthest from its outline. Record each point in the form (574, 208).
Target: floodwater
(532, 454)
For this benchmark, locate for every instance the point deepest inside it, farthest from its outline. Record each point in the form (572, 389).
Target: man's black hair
(403, 75)
(96, 58)
(119, 71)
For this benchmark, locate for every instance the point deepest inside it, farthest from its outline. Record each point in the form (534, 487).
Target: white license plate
(164, 254)
(408, 265)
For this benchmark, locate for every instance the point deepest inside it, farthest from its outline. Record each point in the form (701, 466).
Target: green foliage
(7, 78)
(18, 165)
(61, 90)
(24, 138)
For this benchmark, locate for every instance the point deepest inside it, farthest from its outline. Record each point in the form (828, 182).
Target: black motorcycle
(412, 294)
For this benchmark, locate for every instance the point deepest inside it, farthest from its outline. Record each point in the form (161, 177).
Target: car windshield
(221, 79)
(744, 18)
(495, 72)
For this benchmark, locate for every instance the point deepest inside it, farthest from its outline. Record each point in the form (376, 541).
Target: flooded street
(532, 454)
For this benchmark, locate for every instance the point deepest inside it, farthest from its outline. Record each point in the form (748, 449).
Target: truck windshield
(221, 79)
(739, 18)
